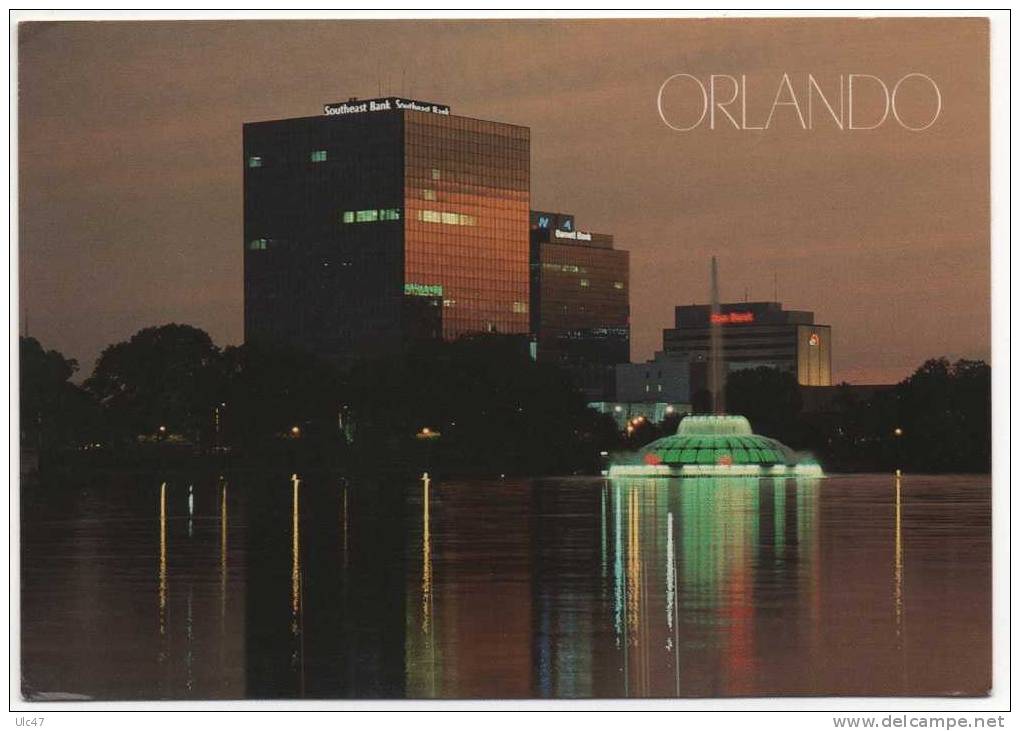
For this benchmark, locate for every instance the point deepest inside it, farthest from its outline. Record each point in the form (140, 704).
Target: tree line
(474, 406)
(477, 405)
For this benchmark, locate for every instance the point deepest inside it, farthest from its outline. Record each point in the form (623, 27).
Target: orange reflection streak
(426, 560)
(898, 564)
(162, 559)
(738, 605)
(637, 630)
(633, 568)
(297, 620)
(295, 554)
(739, 645)
(223, 551)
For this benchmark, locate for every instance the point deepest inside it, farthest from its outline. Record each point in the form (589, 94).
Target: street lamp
(295, 431)
(897, 433)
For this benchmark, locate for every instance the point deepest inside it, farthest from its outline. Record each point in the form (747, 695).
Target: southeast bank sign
(386, 104)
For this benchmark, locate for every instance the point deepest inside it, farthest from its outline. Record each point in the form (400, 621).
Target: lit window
(389, 214)
(584, 282)
(423, 290)
(617, 285)
(257, 245)
(520, 307)
(428, 194)
(435, 173)
(348, 217)
(254, 161)
(452, 219)
(570, 268)
(319, 156)
(364, 216)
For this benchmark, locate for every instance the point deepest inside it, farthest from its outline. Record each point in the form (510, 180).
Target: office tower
(383, 221)
(580, 301)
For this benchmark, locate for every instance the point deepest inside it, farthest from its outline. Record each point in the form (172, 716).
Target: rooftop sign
(385, 104)
(576, 235)
(725, 318)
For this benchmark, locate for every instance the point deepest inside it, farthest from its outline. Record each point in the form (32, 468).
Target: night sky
(130, 166)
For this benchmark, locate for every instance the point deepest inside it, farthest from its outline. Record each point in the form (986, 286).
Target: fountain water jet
(716, 443)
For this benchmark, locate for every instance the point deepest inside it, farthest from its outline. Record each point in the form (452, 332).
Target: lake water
(142, 586)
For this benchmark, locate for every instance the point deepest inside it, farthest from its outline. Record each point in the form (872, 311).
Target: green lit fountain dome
(716, 440)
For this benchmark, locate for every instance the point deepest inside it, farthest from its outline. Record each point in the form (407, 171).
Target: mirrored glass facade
(466, 188)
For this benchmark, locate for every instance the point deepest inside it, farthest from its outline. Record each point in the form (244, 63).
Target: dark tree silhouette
(496, 410)
(268, 391)
(163, 376)
(769, 398)
(944, 412)
(54, 412)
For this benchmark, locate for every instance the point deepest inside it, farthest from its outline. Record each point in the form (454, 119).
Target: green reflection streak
(779, 516)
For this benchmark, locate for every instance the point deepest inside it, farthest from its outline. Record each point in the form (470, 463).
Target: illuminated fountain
(716, 443)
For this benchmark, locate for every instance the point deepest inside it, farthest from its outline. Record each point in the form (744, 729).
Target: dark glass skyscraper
(580, 301)
(382, 221)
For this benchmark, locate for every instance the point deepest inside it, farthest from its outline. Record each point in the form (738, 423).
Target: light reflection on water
(315, 586)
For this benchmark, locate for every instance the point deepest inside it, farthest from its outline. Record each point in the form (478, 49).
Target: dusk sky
(130, 165)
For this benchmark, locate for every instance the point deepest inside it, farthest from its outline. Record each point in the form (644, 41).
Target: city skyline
(130, 207)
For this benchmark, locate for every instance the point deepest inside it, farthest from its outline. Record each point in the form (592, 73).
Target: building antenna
(775, 286)
(745, 293)
(378, 78)
(403, 74)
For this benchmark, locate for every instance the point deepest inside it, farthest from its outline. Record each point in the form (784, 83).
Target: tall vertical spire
(715, 364)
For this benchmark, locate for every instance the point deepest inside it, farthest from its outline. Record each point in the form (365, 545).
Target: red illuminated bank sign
(729, 318)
